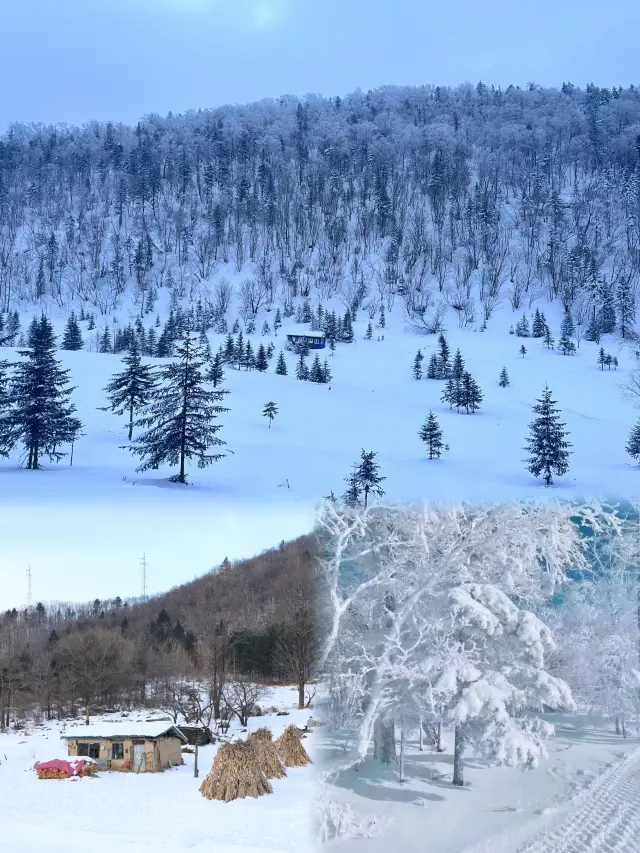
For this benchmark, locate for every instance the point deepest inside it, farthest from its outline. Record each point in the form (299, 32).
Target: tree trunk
(618, 725)
(439, 747)
(388, 741)
(458, 751)
(420, 736)
(130, 421)
(195, 763)
(402, 744)
(301, 699)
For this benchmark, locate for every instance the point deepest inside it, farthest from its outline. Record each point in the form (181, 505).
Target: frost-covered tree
(548, 339)
(262, 362)
(633, 444)
(180, 420)
(132, 389)
(281, 365)
(368, 476)
(216, 371)
(302, 371)
(417, 365)
(547, 443)
(504, 378)
(72, 338)
(523, 350)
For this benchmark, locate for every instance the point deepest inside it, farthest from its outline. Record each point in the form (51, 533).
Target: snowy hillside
(147, 811)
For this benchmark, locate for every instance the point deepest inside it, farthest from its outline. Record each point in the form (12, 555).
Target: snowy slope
(373, 403)
(148, 811)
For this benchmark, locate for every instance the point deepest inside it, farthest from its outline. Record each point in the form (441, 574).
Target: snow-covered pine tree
(504, 378)
(567, 327)
(633, 444)
(132, 389)
(250, 327)
(594, 329)
(444, 357)
(567, 346)
(547, 442)
(470, 393)
(433, 367)
(265, 329)
(431, 434)
(382, 321)
(38, 413)
(539, 325)
(347, 329)
(205, 345)
(105, 341)
(92, 323)
(548, 339)
(302, 371)
(316, 374)
(451, 392)
(72, 338)
(457, 366)
(369, 333)
(236, 327)
(522, 327)
(307, 313)
(625, 307)
(270, 411)
(239, 351)
(352, 496)
(277, 321)
(262, 362)
(281, 366)
(216, 371)
(417, 365)
(326, 373)
(229, 351)
(180, 420)
(368, 475)
(523, 350)
(607, 308)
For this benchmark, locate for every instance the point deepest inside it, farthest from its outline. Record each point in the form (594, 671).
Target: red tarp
(71, 768)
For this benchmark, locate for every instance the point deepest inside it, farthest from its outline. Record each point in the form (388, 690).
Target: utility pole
(144, 577)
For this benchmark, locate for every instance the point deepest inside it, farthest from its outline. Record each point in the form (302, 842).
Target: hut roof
(109, 731)
(302, 329)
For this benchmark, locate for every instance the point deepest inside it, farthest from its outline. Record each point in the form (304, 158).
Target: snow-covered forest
(464, 627)
(376, 217)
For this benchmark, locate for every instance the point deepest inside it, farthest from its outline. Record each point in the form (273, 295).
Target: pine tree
(523, 350)
(105, 341)
(431, 434)
(417, 365)
(277, 321)
(92, 323)
(451, 392)
(593, 332)
(504, 378)
(602, 358)
(443, 360)
(547, 443)
(38, 413)
(625, 308)
(302, 371)
(470, 394)
(205, 345)
(270, 411)
(522, 327)
(347, 329)
(352, 496)
(236, 327)
(180, 419)
(216, 371)
(368, 476)
(332, 345)
(326, 372)
(369, 335)
(614, 362)
(265, 329)
(457, 367)
(382, 321)
(539, 325)
(548, 340)
(567, 346)
(262, 362)
(72, 338)
(607, 312)
(281, 366)
(250, 327)
(249, 361)
(229, 351)
(131, 390)
(316, 374)
(567, 327)
(633, 445)
(238, 351)
(433, 367)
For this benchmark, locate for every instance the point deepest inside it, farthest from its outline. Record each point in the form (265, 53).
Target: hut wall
(169, 751)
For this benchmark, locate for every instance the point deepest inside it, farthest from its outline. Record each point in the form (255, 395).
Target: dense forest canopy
(452, 198)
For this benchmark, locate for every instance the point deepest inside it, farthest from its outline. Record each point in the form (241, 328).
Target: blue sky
(74, 60)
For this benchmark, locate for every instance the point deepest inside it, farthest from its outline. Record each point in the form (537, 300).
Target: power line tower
(29, 588)
(144, 577)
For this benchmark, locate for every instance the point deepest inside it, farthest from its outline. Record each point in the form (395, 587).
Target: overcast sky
(74, 60)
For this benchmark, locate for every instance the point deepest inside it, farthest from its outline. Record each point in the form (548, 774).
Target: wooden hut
(133, 747)
(301, 337)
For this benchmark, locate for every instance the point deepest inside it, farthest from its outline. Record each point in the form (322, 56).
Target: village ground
(499, 809)
(144, 812)
(268, 488)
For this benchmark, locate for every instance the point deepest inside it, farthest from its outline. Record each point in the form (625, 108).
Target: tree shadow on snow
(382, 788)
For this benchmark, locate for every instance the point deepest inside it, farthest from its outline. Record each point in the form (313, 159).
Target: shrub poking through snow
(235, 774)
(266, 753)
(290, 748)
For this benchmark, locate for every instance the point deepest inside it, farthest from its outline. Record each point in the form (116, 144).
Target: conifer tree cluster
(605, 359)
(439, 366)
(461, 392)
(567, 331)
(239, 353)
(9, 328)
(318, 372)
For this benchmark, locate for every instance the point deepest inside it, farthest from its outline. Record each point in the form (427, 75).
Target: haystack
(266, 753)
(290, 748)
(235, 774)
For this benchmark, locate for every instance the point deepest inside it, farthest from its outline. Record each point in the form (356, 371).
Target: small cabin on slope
(136, 747)
(300, 336)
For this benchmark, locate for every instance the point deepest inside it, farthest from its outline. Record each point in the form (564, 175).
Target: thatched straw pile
(235, 774)
(266, 753)
(290, 748)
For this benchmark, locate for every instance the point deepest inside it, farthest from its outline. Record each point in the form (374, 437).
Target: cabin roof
(302, 329)
(116, 730)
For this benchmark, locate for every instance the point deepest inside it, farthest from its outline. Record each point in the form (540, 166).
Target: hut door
(139, 757)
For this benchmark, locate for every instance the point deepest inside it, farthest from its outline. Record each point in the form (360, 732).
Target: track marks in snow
(604, 818)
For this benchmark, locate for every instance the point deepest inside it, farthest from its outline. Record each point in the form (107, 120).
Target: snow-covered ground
(145, 812)
(267, 489)
(584, 799)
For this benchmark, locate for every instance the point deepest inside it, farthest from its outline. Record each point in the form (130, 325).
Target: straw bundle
(266, 753)
(290, 748)
(235, 774)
